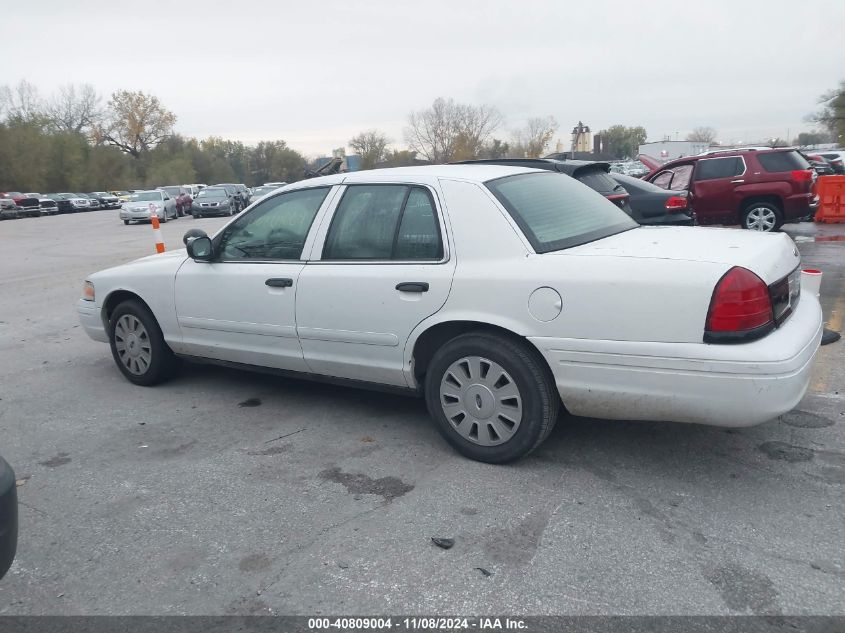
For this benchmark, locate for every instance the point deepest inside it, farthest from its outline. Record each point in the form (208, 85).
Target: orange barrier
(157, 231)
(831, 190)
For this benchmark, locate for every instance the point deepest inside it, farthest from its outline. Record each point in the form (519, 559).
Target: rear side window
(782, 161)
(712, 168)
(556, 212)
(384, 222)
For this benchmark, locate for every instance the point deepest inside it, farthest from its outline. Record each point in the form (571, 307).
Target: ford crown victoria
(501, 294)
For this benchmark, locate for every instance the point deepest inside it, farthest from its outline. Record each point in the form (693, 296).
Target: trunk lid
(771, 256)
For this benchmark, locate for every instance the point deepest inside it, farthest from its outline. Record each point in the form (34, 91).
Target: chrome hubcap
(761, 219)
(481, 401)
(132, 344)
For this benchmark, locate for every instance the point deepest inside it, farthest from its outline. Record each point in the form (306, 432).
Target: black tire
(126, 222)
(532, 377)
(162, 364)
(761, 207)
(196, 216)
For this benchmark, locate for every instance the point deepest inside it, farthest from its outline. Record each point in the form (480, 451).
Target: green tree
(623, 142)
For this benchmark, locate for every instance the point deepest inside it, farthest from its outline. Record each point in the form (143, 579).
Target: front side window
(713, 168)
(556, 212)
(274, 229)
(396, 222)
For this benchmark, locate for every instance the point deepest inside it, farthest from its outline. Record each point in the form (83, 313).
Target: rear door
(382, 266)
(714, 189)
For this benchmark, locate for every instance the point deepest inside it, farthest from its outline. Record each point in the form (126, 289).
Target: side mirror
(200, 248)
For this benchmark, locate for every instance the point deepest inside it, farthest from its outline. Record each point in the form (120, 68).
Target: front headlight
(153, 208)
(88, 291)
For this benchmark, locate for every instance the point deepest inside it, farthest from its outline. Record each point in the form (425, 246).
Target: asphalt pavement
(224, 492)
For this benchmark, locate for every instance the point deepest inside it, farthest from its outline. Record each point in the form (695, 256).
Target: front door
(241, 307)
(384, 267)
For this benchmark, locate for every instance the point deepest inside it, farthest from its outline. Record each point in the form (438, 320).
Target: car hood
(179, 253)
(771, 256)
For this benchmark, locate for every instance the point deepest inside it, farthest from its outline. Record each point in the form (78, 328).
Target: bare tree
(135, 122)
(372, 147)
(74, 108)
(447, 128)
(21, 103)
(702, 134)
(534, 138)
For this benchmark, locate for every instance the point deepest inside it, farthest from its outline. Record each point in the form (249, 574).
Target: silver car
(142, 205)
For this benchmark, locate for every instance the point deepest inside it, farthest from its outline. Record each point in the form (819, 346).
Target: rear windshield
(599, 180)
(783, 161)
(556, 212)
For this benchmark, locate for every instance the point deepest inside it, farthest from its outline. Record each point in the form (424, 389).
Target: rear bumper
(89, 318)
(799, 206)
(718, 385)
(8, 517)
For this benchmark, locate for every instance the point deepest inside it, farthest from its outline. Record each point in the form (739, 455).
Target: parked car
(214, 201)
(122, 195)
(8, 516)
(819, 164)
(184, 202)
(79, 203)
(260, 192)
(94, 203)
(652, 205)
(28, 206)
(143, 204)
(107, 200)
(500, 294)
(8, 209)
(180, 194)
(64, 205)
(835, 158)
(757, 189)
(596, 175)
(47, 206)
(240, 192)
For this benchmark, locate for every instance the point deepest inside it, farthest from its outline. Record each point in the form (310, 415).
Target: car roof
(471, 172)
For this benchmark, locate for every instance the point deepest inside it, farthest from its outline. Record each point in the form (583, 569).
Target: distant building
(582, 138)
(669, 150)
(351, 162)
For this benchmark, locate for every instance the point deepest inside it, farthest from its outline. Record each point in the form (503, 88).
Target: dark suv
(757, 189)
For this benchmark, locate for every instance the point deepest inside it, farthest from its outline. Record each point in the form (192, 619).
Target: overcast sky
(314, 73)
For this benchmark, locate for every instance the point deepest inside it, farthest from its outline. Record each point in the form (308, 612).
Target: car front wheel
(492, 398)
(761, 216)
(138, 346)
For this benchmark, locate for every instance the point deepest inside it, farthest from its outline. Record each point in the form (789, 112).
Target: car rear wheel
(138, 346)
(493, 399)
(761, 216)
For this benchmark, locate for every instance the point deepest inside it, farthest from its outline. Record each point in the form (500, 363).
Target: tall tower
(582, 138)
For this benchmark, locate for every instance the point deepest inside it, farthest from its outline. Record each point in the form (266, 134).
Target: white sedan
(141, 206)
(500, 294)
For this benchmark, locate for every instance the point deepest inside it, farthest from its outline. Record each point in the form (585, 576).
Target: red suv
(758, 189)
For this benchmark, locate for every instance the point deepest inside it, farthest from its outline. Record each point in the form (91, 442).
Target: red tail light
(740, 310)
(676, 203)
(802, 175)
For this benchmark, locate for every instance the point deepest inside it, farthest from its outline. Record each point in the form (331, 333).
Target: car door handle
(736, 181)
(413, 286)
(279, 282)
